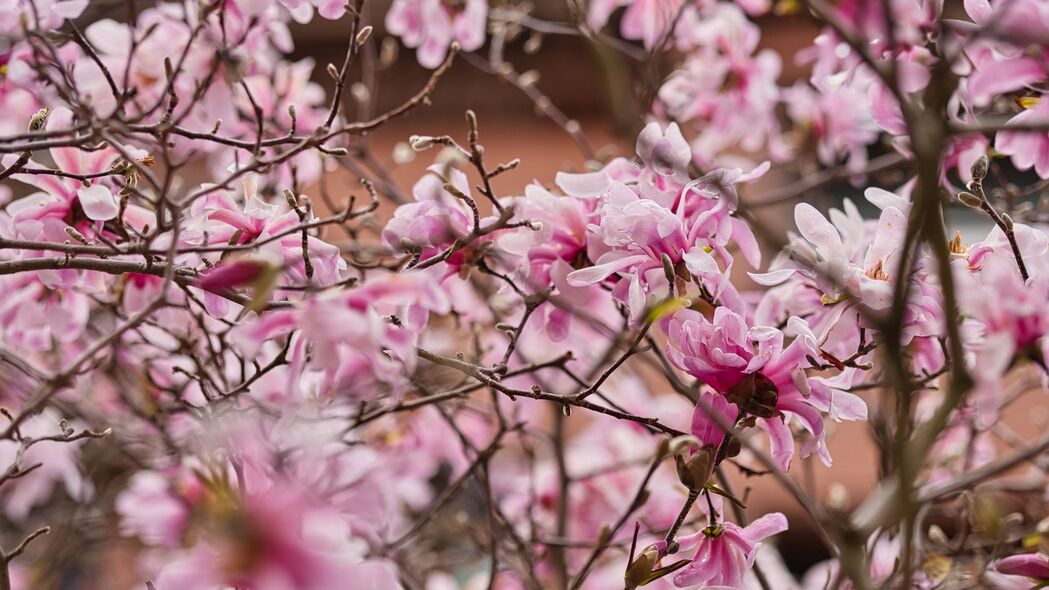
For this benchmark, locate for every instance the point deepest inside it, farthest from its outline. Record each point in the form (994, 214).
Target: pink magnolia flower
(277, 90)
(548, 249)
(884, 551)
(1023, 22)
(66, 200)
(839, 118)
(40, 15)
(962, 446)
(280, 539)
(360, 353)
(301, 10)
(1029, 149)
(648, 20)
(707, 430)
(637, 229)
(911, 20)
(833, 268)
(58, 463)
(435, 220)
(839, 259)
(753, 369)
(38, 312)
(431, 26)
(961, 152)
(112, 42)
(725, 87)
(1006, 316)
(152, 511)
(726, 551)
(20, 91)
(222, 219)
(998, 68)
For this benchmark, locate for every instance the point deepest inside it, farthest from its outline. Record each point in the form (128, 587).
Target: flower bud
(638, 571)
(420, 142)
(529, 78)
(360, 92)
(695, 471)
(471, 121)
(979, 168)
(363, 35)
(37, 121)
(682, 444)
(534, 43)
(333, 72)
(1007, 221)
(402, 153)
(970, 200)
(668, 268)
(73, 233)
(230, 275)
(388, 52)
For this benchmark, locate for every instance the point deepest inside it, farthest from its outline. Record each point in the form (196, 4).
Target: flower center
(755, 395)
(714, 531)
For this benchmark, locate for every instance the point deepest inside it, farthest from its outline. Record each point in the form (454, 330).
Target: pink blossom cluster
(569, 384)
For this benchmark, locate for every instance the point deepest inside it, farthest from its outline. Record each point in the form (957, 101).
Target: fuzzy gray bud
(420, 142)
(970, 200)
(37, 121)
(979, 169)
(363, 35)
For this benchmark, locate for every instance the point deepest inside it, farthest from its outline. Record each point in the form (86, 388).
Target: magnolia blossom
(41, 15)
(276, 540)
(1007, 315)
(358, 351)
(431, 26)
(66, 199)
(1027, 148)
(221, 217)
(662, 220)
(725, 551)
(48, 463)
(726, 87)
(648, 21)
(754, 370)
(884, 550)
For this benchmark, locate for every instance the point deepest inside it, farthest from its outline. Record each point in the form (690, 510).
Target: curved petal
(98, 202)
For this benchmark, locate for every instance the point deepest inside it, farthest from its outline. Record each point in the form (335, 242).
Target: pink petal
(98, 202)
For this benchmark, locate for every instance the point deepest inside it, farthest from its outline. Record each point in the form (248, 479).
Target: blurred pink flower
(431, 26)
(1029, 149)
(1031, 565)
